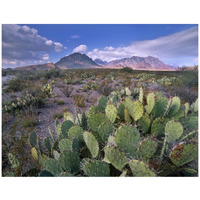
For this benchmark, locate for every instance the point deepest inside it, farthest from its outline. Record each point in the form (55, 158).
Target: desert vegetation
(100, 122)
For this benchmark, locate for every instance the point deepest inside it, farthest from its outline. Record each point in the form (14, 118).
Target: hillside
(46, 66)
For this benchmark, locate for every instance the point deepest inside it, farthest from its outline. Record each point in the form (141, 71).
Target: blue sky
(26, 44)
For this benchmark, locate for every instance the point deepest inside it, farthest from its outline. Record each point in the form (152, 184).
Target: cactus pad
(66, 125)
(141, 95)
(191, 123)
(96, 168)
(95, 120)
(194, 106)
(47, 144)
(56, 155)
(173, 130)
(158, 127)
(68, 116)
(102, 101)
(150, 103)
(84, 121)
(116, 157)
(120, 111)
(33, 139)
(65, 145)
(13, 160)
(91, 143)
(140, 169)
(69, 161)
(127, 91)
(174, 107)
(92, 110)
(134, 108)
(144, 123)
(76, 132)
(187, 107)
(111, 112)
(105, 129)
(127, 117)
(147, 147)
(183, 153)
(53, 166)
(160, 107)
(34, 153)
(127, 139)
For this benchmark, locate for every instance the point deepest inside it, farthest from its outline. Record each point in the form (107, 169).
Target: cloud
(81, 49)
(45, 56)
(75, 36)
(173, 49)
(22, 44)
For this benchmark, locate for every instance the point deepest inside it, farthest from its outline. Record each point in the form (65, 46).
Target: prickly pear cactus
(102, 101)
(13, 160)
(91, 143)
(65, 145)
(174, 107)
(84, 121)
(53, 166)
(127, 117)
(147, 147)
(92, 110)
(120, 111)
(76, 132)
(127, 139)
(105, 129)
(95, 120)
(140, 169)
(68, 116)
(127, 91)
(191, 123)
(141, 95)
(66, 125)
(33, 139)
(34, 153)
(173, 131)
(116, 157)
(56, 155)
(183, 153)
(187, 107)
(160, 107)
(47, 143)
(150, 103)
(144, 123)
(194, 106)
(96, 168)
(69, 161)
(111, 112)
(134, 108)
(158, 127)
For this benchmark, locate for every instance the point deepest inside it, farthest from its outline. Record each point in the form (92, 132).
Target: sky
(27, 44)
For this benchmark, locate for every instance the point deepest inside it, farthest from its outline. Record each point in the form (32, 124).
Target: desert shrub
(58, 115)
(67, 90)
(127, 70)
(105, 88)
(30, 122)
(16, 85)
(79, 100)
(60, 102)
(53, 73)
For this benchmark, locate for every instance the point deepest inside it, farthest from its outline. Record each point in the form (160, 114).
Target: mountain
(100, 62)
(140, 63)
(76, 60)
(191, 68)
(46, 66)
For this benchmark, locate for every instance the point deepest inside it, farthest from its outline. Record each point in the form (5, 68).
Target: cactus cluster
(122, 135)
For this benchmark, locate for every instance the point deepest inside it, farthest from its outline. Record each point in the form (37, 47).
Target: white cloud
(75, 36)
(170, 49)
(81, 49)
(24, 44)
(45, 56)
(49, 42)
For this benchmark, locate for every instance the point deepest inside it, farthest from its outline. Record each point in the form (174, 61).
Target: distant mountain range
(80, 61)
(76, 60)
